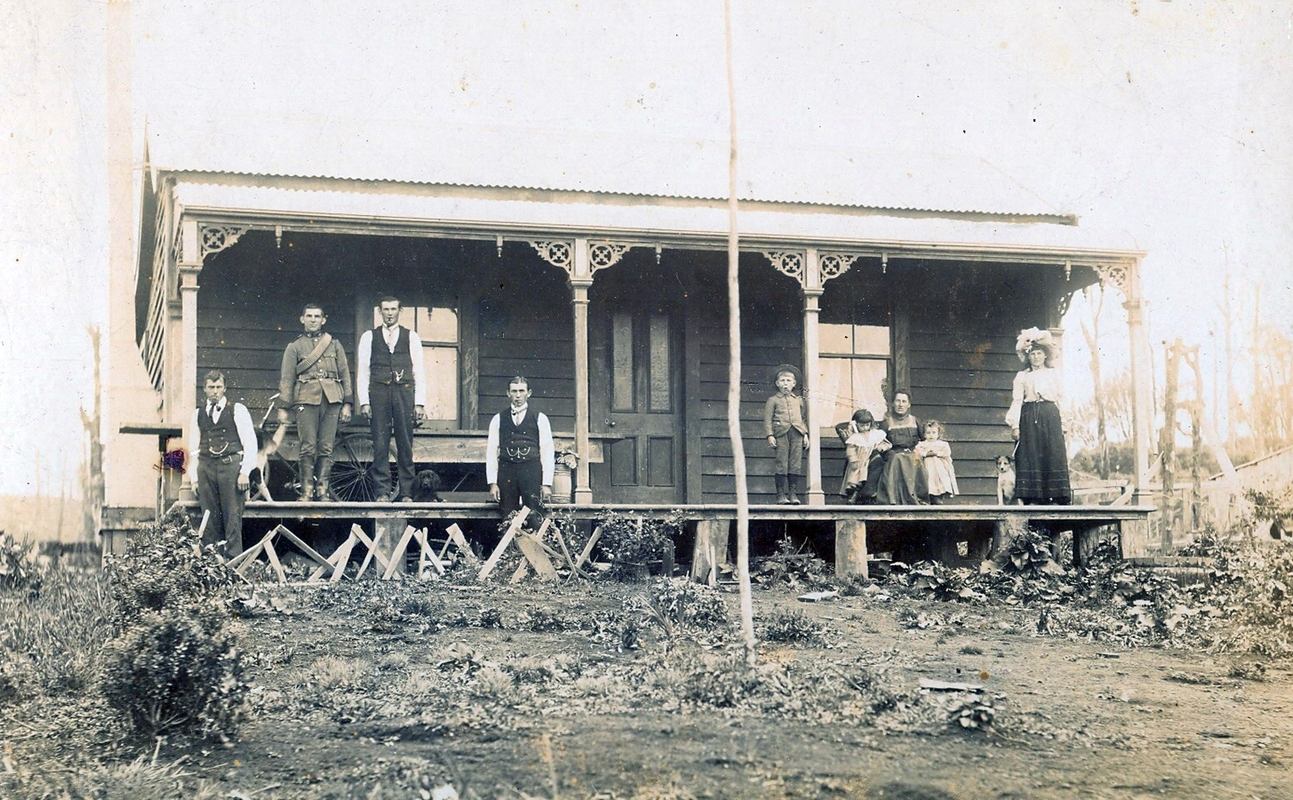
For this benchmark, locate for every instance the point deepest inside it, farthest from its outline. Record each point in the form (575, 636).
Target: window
(437, 327)
(854, 369)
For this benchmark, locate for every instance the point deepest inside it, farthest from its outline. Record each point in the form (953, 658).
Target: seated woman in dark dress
(902, 483)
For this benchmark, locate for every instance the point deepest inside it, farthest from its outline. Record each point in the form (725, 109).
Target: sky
(1169, 124)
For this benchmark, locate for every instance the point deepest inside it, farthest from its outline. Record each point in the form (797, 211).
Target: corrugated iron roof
(588, 161)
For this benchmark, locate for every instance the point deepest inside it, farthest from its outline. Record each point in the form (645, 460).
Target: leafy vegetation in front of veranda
(176, 673)
(173, 669)
(146, 636)
(165, 567)
(632, 541)
(1238, 604)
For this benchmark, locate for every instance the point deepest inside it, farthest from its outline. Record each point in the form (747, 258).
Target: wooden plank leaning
(372, 553)
(492, 562)
(398, 553)
(272, 555)
(531, 546)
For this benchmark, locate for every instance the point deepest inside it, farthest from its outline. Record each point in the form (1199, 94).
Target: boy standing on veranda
(784, 424)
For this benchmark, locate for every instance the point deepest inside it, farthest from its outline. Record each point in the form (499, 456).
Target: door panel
(641, 399)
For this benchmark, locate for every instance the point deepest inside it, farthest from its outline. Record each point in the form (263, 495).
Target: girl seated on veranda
(863, 445)
(936, 453)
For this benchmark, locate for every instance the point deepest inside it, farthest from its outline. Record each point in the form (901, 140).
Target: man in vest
(314, 381)
(519, 456)
(392, 395)
(222, 454)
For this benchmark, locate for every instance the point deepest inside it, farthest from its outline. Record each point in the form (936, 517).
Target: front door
(638, 399)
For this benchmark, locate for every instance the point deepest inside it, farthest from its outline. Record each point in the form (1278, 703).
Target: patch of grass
(51, 640)
(336, 672)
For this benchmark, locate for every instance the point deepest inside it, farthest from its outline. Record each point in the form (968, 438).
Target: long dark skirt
(1041, 460)
(902, 481)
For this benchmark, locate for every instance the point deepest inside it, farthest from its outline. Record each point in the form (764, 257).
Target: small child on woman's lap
(863, 444)
(937, 456)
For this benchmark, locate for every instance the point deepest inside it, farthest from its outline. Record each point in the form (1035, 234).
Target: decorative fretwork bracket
(787, 263)
(557, 253)
(834, 265)
(1117, 274)
(605, 254)
(219, 237)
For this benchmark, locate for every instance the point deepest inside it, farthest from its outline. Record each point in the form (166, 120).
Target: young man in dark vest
(519, 456)
(222, 454)
(314, 381)
(392, 395)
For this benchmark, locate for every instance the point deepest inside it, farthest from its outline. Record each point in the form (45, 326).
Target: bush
(176, 674)
(630, 541)
(16, 568)
(166, 567)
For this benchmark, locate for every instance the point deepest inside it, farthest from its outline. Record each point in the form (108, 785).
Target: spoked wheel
(352, 455)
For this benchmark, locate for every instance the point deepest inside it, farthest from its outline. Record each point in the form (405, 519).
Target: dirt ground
(528, 691)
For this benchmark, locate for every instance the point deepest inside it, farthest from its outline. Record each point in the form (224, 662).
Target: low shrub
(678, 601)
(791, 627)
(165, 566)
(17, 568)
(176, 674)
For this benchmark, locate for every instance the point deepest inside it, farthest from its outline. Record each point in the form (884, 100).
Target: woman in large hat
(1041, 457)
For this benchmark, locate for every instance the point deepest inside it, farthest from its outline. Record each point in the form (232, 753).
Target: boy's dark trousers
(392, 407)
(218, 494)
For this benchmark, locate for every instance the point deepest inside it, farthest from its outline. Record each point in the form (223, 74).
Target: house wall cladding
(515, 318)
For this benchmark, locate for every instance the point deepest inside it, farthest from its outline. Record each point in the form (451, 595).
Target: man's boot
(322, 492)
(792, 496)
(305, 472)
(782, 498)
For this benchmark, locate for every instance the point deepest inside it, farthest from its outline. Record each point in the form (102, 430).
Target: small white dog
(1005, 481)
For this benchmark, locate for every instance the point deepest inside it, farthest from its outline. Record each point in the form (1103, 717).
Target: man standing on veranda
(519, 455)
(392, 395)
(314, 381)
(222, 454)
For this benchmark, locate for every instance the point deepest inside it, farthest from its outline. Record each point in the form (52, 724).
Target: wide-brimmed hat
(793, 370)
(1030, 338)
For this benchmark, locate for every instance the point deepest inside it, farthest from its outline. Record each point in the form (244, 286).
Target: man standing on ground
(222, 454)
(392, 395)
(314, 381)
(519, 456)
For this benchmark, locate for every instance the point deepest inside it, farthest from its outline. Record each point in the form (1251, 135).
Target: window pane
(622, 362)
(868, 385)
(848, 384)
(441, 364)
(834, 391)
(661, 398)
(438, 325)
(871, 340)
(835, 338)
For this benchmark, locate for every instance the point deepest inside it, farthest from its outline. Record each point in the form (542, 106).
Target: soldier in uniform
(519, 455)
(222, 454)
(392, 395)
(314, 381)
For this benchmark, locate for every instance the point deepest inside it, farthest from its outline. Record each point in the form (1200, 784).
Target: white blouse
(1031, 386)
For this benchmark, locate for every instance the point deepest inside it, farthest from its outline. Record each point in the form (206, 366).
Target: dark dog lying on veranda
(426, 487)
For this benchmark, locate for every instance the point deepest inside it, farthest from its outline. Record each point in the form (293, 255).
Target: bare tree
(734, 365)
(92, 466)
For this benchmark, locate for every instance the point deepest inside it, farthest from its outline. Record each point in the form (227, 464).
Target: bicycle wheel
(352, 455)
